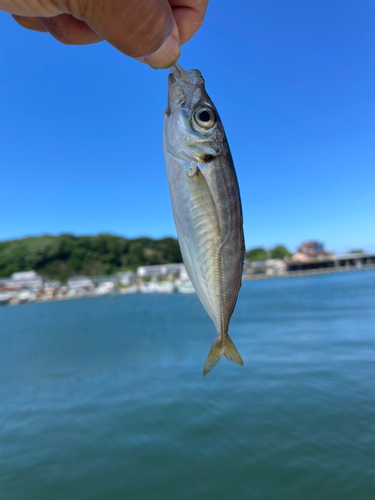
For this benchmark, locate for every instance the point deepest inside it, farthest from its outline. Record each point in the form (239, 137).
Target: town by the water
(311, 258)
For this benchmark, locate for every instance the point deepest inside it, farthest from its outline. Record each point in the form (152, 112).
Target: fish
(206, 203)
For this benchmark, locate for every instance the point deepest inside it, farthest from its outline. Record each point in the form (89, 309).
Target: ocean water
(103, 398)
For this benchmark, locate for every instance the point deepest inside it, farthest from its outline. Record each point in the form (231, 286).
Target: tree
(279, 252)
(257, 253)
(60, 257)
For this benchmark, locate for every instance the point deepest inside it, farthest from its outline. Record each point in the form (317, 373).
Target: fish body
(206, 203)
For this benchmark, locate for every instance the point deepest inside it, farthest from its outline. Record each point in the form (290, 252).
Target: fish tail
(219, 348)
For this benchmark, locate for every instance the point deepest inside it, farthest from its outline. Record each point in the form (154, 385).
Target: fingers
(138, 28)
(189, 15)
(150, 30)
(30, 8)
(66, 29)
(31, 23)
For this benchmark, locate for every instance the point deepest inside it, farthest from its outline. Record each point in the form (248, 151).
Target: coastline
(307, 272)
(246, 277)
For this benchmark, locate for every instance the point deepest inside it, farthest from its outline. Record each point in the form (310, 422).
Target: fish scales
(206, 203)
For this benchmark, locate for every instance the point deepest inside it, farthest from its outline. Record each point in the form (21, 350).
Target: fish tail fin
(219, 348)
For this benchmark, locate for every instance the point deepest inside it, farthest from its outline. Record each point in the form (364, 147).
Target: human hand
(148, 30)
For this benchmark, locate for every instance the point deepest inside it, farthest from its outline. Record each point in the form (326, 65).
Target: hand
(148, 30)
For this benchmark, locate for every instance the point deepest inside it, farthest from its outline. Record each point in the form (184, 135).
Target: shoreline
(308, 272)
(255, 277)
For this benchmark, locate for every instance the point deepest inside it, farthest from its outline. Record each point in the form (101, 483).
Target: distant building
(28, 279)
(25, 275)
(330, 260)
(258, 266)
(275, 267)
(81, 283)
(178, 270)
(310, 251)
(52, 285)
(313, 248)
(106, 278)
(126, 278)
(183, 274)
(270, 267)
(355, 259)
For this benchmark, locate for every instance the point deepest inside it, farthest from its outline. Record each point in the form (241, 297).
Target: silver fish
(206, 203)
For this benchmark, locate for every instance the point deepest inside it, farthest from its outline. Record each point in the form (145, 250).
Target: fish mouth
(175, 76)
(192, 76)
(171, 81)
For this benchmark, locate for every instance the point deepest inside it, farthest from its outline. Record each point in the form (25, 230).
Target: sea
(103, 398)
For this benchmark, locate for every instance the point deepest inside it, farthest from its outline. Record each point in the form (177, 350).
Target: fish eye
(204, 118)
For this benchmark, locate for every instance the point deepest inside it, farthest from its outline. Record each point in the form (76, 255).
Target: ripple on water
(104, 398)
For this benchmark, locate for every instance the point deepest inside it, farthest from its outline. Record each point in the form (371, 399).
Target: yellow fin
(219, 348)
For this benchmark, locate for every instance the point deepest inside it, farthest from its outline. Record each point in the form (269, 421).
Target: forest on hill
(66, 255)
(60, 257)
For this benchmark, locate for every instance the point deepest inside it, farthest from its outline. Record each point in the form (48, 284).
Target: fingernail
(168, 54)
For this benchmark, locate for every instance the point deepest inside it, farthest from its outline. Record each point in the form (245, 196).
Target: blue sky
(294, 82)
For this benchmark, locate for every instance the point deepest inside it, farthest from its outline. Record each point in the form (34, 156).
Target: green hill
(60, 257)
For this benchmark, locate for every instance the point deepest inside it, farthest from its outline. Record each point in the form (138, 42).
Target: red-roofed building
(312, 248)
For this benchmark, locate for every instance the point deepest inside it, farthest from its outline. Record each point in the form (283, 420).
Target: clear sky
(294, 82)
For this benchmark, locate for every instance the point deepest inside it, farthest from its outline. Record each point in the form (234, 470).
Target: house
(81, 283)
(28, 279)
(312, 248)
(177, 270)
(311, 255)
(275, 267)
(126, 278)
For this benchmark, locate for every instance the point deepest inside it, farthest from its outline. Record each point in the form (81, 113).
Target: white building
(126, 278)
(81, 283)
(52, 285)
(27, 279)
(275, 267)
(178, 270)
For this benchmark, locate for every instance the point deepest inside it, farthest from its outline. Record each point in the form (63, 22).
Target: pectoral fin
(201, 184)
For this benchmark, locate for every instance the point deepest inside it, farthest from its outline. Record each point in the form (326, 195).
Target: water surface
(103, 398)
